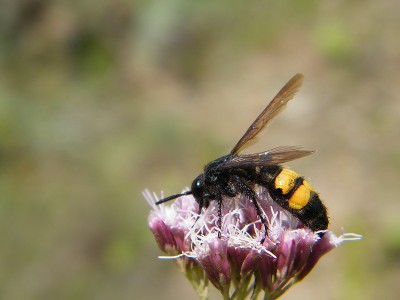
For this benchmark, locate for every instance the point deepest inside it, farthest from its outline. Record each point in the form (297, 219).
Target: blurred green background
(102, 99)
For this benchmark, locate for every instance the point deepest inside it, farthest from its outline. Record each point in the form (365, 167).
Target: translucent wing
(271, 157)
(273, 108)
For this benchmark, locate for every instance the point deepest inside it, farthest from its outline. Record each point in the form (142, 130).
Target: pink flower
(236, 263)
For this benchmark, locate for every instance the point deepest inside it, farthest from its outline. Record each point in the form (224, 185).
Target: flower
(232, 257)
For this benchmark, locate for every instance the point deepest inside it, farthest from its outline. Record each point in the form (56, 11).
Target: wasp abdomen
(314, 214)
(295, 194)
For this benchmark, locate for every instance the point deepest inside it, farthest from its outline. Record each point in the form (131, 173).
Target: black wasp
(235, 174)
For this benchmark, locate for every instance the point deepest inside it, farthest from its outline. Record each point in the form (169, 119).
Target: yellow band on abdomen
(301, 196)
(286, 180)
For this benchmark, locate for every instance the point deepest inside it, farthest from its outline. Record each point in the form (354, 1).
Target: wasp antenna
(173, 197)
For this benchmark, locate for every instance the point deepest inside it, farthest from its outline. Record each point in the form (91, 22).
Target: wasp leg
(201, 205)
(249, 192)
(219, 217)
(261, 215)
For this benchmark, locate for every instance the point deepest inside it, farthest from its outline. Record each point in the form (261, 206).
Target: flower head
(232, 256)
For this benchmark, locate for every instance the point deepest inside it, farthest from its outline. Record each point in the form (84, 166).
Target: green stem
(241, 291)
(284, 289)
(253, 291)
(268, 295)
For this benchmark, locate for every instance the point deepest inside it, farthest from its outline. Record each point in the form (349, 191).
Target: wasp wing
(271, 157)
(273, 108)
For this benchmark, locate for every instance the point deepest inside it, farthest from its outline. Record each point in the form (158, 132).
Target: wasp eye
(197, 187)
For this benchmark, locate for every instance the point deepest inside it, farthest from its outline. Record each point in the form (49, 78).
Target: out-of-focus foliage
(101, 99)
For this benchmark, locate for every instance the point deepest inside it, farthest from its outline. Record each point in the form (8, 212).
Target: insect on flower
(240, 174)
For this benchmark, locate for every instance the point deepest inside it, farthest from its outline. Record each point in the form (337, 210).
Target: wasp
(234, 174)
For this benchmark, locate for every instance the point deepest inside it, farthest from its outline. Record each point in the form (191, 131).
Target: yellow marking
(301, 196)
(285, 180)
